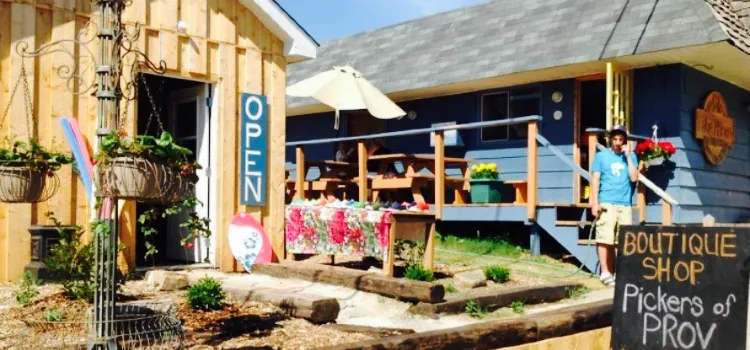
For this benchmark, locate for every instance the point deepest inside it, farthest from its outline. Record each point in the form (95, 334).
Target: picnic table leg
(388, 263)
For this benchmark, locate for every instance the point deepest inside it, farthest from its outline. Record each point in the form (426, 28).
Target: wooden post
(439, 174)
(362, 167)
(532, 172)
(301, 173)
(591, 141)
(641, 197)
(666, 213)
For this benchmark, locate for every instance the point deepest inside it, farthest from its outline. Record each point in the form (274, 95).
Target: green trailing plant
(475, 310)
(53, 316)
(71, 261)
(518, 307)
(207, 294)
(419, 273)
(27, 291)
(450, 288)
(32, 155)
(164, 151)
(497, 274)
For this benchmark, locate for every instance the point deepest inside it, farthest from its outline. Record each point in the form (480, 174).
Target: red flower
(355, 235)
(668, 147)
(294, 225)
(337, 227)
(189, 245)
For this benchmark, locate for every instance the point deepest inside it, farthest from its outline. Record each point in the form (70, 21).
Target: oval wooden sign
(248, 241)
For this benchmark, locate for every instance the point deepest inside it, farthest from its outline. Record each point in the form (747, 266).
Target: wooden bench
(522, 190)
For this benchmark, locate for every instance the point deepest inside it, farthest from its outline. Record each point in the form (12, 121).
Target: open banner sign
(253, 149)
(681, 287)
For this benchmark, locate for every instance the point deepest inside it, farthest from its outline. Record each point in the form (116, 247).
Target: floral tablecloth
(329, 230)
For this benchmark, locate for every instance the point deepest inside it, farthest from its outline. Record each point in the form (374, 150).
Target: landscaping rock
(166, 281)
(473, 278)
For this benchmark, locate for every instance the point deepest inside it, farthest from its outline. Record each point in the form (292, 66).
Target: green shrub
(206, 295)
(27, 291)
(419, 273)
(497, 274)
(518, 307)
(53, 316)
(450, 288)
(72, 262)
(577, 292)
(475, 310)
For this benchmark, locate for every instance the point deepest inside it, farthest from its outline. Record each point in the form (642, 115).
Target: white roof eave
(298, 45)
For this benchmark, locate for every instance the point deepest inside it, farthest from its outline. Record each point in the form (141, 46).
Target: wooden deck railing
(439, 141)
(643, 182)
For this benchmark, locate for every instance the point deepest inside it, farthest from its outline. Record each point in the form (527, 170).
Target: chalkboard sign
(681, 288)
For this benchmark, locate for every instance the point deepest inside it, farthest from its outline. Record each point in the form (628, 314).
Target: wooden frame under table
(413, 226)
(329, 180)
(410, 178)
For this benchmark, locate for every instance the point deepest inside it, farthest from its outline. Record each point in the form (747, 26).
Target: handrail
(556, 151)
(475, 125)
(642, 178)
(603, 131)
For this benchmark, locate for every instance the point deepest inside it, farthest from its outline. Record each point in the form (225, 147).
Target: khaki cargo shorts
(609, 222)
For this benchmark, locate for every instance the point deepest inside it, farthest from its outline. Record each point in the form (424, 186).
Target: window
(504, 105)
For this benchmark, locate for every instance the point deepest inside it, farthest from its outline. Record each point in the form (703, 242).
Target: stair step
(564, 205)
(572, 223)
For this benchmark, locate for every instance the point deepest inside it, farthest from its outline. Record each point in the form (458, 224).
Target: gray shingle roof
(510, 36)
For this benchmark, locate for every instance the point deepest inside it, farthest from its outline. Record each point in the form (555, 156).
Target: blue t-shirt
(614, 185)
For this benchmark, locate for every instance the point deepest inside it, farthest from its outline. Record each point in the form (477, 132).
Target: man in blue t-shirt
(615, 173)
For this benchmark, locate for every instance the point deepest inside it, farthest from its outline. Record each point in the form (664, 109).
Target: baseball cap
(619, 129)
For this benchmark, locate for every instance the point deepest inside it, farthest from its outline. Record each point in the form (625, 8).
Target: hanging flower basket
(654, 153)
(146, 169)
(130, 177)
(27, 172)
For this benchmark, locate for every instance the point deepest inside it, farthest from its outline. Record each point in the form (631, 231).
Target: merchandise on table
(392, 206)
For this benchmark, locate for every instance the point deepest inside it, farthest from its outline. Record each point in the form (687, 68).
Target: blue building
(579, 64)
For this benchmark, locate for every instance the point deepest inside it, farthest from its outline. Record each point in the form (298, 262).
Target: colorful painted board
(248, 241)
(83, 162)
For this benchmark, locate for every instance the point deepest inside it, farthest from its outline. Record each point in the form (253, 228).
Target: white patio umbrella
(344, 88)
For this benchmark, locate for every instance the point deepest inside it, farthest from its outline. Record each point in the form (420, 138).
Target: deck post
(439, 174)
(532, 171)
(641, 197)
(301, 173)
(666, 213)
(535, 244)
(362, 170)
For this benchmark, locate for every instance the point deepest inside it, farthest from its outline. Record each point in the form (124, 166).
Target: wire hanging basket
(21, 184)
(131, 178)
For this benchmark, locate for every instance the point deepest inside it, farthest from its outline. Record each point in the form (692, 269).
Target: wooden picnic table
(333, 174)
(412, 179)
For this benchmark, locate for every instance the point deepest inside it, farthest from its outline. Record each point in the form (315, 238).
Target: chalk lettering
(629, 247)
(630, 290)
(674, 304)
(667, 331)
(704, 340)
(690, 334)
(731, 253)
(696, 248)
(670, 236)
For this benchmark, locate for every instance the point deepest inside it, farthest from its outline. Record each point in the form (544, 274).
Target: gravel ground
(237, 326)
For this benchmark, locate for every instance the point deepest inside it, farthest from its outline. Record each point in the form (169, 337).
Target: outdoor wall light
(411, 115)
(181, 26)
(557, 115)
(557, 97)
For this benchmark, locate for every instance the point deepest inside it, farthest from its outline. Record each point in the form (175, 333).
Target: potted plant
(27, 171)
(653, 152)
(485, 185)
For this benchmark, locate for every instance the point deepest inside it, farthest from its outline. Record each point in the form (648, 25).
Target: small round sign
(248, 241)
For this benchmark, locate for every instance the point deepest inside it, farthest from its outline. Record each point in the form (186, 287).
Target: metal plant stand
(109, 326)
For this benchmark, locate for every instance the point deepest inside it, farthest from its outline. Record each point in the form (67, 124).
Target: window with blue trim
(508, 104)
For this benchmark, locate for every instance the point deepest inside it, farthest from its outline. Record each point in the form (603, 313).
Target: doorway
(181, 108)
(593, 114)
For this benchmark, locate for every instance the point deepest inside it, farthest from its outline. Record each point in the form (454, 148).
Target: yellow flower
(493, 167)
(482, 167)
(475, 167)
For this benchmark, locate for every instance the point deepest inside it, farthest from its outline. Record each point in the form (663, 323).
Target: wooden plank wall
(597, 339)
(224, 44)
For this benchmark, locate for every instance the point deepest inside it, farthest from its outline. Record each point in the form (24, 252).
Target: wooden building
(578, 64)
(220, 50)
